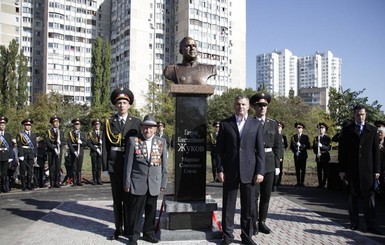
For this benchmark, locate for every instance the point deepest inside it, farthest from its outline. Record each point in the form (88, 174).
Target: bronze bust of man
(189, 72)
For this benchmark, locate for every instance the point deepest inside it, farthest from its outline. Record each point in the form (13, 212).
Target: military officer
(299, 145)
(321, 148)
(27, 153)
(76, 143)
(55, 141)
(273, 145)
(94, 141)
(215, 158)
(117, 130)
(6, 154)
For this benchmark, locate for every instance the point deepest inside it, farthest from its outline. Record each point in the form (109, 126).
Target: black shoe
(256, 231)
(263, 227)
(226, 241)
(353, 227)
(248, 241)
(116, 235)
(375, 230)
(151, 239)
(132, 242)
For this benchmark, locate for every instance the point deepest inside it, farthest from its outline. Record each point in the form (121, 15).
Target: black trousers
(230, 191)
(322, 171)
(369, 207)
(263, 190)
(214, 163)
(300, 169)
(119, 196)
(96, 162)
(54, 164)
(138, 204)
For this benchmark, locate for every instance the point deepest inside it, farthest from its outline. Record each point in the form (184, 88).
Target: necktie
(122, 123)
(28, 133)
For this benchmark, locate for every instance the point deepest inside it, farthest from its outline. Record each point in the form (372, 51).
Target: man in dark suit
(76, 143)
(117, 130)
(55, 141)
(272, 146)
(321, 148)
(94, 142)
(6, 154)
(145, 176)
(359, 158)
(27, 153)
(299, 145)
(240, 145)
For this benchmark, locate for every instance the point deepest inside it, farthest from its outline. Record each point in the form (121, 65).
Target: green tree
(97, 71)
(22, 83)
(342, 103)
(105, 96)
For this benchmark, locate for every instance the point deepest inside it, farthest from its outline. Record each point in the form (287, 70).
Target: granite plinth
(195, 215)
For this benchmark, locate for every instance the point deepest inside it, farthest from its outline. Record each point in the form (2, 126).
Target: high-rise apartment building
(57, 37)
(281, 71)
(277, 71)
(145, 37)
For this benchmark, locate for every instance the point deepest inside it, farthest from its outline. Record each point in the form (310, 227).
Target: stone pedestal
(188, 214)
(188, 220)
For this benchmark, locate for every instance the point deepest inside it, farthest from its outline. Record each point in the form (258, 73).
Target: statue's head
(188, 48)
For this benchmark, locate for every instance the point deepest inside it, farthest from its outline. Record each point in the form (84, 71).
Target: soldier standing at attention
(27, 153)
(6, 151)
(299, 145)
(76, 143)
(55, 141)
(272, 148)
(214, 153)
(321, 148)
(117, 130)
(94, 141)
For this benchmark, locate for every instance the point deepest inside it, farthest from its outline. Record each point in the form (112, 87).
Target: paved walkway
(90, 222)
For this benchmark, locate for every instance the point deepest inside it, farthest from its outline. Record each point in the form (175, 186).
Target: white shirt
(148, 144)
(241, 123)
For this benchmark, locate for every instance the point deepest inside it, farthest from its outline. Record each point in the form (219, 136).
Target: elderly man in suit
(359, 158)
(117, 130)
(145, 176)
(272, 145)
(242, 164)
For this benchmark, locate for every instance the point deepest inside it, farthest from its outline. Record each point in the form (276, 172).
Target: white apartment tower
(71, 27)
(277, 71)
(321, 70)
(145, 37)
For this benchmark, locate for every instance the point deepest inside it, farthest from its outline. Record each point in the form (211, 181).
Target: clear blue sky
(353, 30)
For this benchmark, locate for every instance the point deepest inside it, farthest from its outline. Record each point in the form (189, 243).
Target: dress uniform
(321, 148)
(94, 141)
(299, 145)
(27, 153)
(117, 130)
(55, 141)
(272, 148)
(6, 154)
(76, 143)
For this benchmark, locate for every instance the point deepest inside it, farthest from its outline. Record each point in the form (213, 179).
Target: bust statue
(189, 72)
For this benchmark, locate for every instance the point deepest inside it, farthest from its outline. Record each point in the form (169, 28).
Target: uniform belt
(74, 144)
(115, 148)
(3, 149)
(268, 149)
(26, 147)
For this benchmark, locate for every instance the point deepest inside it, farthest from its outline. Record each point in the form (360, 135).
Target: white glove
(342, 175)
(99, 152)
(57, 151)
(319, 145)
(76, 154)
(298, 144)
(21, 158)
(277, 171)
(80, 141)
(10, 159)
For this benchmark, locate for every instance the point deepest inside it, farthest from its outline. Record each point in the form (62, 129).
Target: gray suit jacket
(142, 174)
